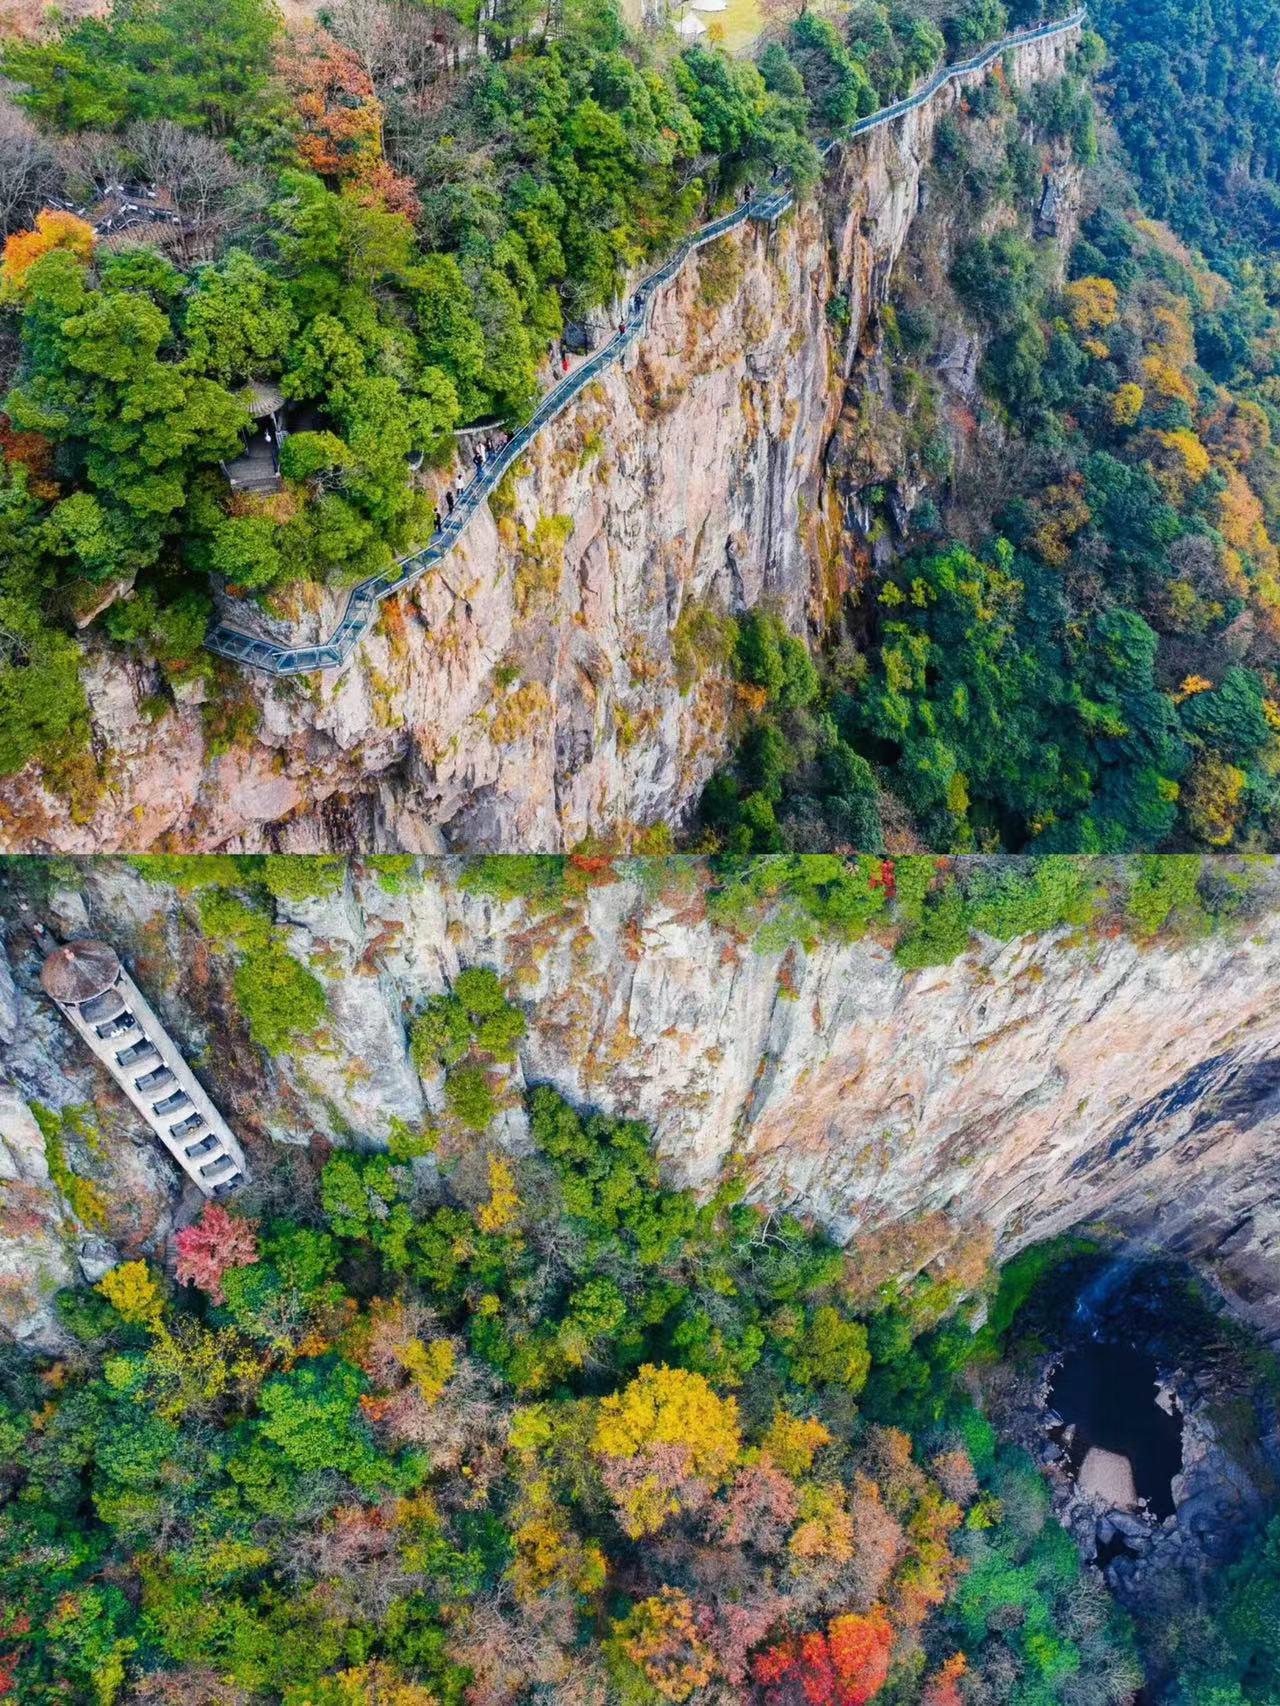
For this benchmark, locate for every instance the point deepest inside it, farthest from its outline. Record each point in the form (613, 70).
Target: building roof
(262, 398)
(79, 970)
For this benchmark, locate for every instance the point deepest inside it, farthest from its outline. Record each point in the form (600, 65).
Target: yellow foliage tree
(1178, 460)
(194, 1367)
(667, 1428)
(504, 1200)
(1064, 512)
(1171, 324)
(1166, 382)
(660, 1637)
(548, 1555)
(377, 1683)
(1092, 304)
(134, 1293)
(429, 1365)
(1240, 430)
(1215, 800)
(1242, 523)
(1126, 405)
(672, 1406)
(53, 230)
(793, 1441)
(825, 1533)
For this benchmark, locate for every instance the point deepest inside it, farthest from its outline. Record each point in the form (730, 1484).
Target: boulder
(1108, 1477)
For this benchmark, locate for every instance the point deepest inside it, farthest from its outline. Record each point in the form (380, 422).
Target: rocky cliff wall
(549, 683)
(1026, 1088)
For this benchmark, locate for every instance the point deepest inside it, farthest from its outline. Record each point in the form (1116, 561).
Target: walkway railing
(334, 653)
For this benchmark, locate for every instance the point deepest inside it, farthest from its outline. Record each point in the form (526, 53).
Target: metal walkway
(335, 652)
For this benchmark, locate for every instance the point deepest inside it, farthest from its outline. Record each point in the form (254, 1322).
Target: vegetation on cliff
(1068, 641)
(526, 1428)
(930, 909)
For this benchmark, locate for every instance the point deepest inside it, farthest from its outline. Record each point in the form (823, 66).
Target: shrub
(469, 1097)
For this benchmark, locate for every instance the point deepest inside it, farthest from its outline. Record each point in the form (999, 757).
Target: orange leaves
(846, 1666)
(32, 451)
(53, 230)
(382, 187)
(662, 1638)
(943, 1688)
(825, 1534)
(340, 119)
(860, 1648)
(1242, 521)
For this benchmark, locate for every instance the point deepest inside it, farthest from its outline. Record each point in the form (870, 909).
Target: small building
(109, 1012)
(257, 468)
(121, 208)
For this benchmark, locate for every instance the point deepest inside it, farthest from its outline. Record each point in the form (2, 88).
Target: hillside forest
(390, 230)
(1062, 625)
(436, 1421)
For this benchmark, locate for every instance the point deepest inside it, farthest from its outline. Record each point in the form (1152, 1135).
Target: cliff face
(556, 679)
(1027, 1088)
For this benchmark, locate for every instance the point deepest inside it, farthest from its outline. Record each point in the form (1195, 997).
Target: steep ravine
(1024, 1089)
(543, 688)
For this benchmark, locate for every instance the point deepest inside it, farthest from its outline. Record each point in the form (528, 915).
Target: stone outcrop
(549, 683)
(1027, 1088)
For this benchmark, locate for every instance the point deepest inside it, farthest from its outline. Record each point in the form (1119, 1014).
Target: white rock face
(503, 707)
(1025, 1089)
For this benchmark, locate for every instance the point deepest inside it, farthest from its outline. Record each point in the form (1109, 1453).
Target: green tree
(194, 62)
(133, 424)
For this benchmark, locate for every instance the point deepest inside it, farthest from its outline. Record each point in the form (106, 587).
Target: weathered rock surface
(1107, 1478)
(527, 697)
(1026, 1088)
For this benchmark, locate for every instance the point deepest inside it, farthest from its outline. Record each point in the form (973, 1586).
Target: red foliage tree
(846, 1666)
(340, 118)
(211, 1245)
